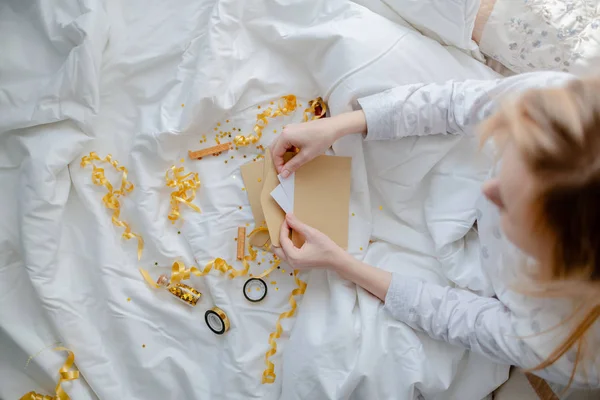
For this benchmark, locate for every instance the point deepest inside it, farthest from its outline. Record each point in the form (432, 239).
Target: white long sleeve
(480, 324)
(440, 108)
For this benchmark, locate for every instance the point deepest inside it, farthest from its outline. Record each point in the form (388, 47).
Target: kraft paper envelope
(322, 197)
(274, 215)
(252, 174)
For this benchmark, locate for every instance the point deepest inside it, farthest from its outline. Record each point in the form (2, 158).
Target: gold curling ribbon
(267, 244)
(180, 273)
(186, 186)
(269, 372)
(268, 271)
(316, 107)
(285, 105)
(65, 375)
(111, 199)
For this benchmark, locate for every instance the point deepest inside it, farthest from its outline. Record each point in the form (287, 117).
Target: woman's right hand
(313, 138)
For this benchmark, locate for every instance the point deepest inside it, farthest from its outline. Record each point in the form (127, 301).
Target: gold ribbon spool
(111, 199)
(186, 186)
(269, 372)
(65, 374)
(221, 314)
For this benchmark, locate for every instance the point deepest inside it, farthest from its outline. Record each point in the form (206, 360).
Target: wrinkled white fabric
(143, 80)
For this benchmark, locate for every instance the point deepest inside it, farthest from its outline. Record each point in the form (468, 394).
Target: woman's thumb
(297, 225)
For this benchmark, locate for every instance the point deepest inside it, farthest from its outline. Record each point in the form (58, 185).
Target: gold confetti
(129, 299)
(361, 249)
(276, 288)
(381, 207)
(182, 105)
(144, 346)
(353, 214)
(273, 283)
(243, 189)
(227, 121)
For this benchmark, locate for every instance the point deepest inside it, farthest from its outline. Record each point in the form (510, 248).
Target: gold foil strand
(185, 190)
(65, 374)
(316, 107)
(269, 372)
(285, 105)
(111, 198)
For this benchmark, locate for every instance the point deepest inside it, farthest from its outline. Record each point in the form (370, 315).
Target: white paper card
(288, 187)
(281, 198)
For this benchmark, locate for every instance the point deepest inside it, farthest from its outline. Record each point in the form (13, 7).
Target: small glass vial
(185, 293)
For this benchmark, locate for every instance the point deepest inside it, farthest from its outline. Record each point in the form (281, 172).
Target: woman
(545, 201)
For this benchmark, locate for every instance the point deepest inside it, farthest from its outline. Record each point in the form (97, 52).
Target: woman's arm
(410, 110)
(440, 108)
(480, 324)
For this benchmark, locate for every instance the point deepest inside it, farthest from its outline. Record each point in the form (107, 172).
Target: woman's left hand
(318, 251)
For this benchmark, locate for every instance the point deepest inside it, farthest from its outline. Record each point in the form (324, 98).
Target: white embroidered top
(509, 327)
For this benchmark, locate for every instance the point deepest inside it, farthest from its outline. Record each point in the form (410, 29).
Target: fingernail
(285, 173)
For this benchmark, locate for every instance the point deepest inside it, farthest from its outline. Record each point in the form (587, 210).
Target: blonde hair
(557, 131)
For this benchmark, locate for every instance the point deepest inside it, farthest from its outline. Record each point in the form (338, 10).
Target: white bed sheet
(143, 80)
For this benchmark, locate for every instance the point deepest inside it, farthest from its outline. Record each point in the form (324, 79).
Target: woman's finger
(279, 253)
(278, 149)
(293, 222)
(284, 239)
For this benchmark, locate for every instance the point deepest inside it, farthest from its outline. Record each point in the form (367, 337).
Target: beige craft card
(322, 197)
(252, 174)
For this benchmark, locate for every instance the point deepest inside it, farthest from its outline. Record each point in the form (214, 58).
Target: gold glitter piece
(353, 214)
(129, 299)
(361, 249)
(381, 207)
(182, 105)
(273, 283)
(144, 346)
